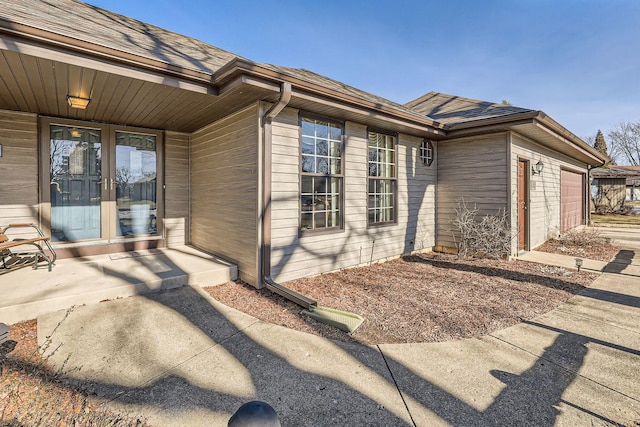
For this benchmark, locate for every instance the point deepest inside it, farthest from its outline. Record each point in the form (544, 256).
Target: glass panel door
(75, 178)
(102, 182)
(136, 184)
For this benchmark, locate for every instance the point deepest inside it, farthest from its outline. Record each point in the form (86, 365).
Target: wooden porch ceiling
(41, 85)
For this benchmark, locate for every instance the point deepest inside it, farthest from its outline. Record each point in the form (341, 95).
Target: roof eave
(467, 126)
(535, 118)
(42, 37)
(243, 66)
(564, 134)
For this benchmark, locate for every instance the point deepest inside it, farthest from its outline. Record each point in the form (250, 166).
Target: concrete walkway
(182, 359)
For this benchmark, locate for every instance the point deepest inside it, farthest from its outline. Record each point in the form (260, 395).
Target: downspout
(265, 246)
(265, 122)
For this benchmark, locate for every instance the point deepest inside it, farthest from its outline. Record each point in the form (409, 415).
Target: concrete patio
(28, 293)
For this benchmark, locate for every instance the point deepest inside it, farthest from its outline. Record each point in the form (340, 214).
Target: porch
(28, 293)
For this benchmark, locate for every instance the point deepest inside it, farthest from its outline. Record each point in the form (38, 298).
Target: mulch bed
(31, 394)
(596, 250)
(421, 298)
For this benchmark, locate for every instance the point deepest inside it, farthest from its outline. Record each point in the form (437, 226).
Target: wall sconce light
(537, 168)
(78, 102)
(579, 262)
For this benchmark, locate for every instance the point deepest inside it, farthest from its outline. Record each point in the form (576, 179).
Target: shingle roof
(92, 24)
(630, 173)
(451, 110)
(329, 83)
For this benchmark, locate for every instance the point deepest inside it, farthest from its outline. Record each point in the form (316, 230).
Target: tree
(601, 145)
(625, 142)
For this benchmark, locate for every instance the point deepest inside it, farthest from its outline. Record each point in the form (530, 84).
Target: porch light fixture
(537, 168)
(579, 262)
(78, 102)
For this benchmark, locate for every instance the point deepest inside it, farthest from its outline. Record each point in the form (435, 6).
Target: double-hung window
(321, 174)
(382, 178)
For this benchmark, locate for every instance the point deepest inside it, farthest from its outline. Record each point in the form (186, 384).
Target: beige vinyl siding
(544, 189)
(473, 170)
(176, 196)
(224, 190)
(18, 168)
(610, 196)
(294, 256)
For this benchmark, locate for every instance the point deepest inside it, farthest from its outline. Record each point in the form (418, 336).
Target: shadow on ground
(181, 358)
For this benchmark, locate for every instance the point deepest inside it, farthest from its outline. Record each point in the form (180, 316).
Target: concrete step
(28, 293)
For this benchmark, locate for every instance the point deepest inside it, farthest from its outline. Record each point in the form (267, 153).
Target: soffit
(41, 85)
(543, 136)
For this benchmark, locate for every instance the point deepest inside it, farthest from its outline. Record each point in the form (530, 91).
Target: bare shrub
(480, 235)
(625, 210)
(583, 237)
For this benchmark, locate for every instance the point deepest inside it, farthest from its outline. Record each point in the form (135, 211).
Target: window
(426, 152)
(595, 189)
(382, 178)
(321, 174)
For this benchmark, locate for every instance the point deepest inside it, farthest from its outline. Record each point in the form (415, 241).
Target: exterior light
(77, 102)
(579, 262)
(537, 168)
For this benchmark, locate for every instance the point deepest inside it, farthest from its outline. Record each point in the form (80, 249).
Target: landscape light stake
(373, 245)
(579, 262)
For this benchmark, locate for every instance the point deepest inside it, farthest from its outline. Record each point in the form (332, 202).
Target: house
(118, 135)
(612, 186)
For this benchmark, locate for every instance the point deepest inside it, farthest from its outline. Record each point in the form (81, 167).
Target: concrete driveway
(629, 238)
(182, 359)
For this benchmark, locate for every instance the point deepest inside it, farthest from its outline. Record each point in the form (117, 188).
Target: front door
(522, 205)
(103, 183)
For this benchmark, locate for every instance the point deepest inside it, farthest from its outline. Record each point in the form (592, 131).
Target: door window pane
(136, 184)
(75, 177)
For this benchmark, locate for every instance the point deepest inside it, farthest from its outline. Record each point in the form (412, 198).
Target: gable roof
(452, 110)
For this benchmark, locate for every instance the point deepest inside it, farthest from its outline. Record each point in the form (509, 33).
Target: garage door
(571, 200)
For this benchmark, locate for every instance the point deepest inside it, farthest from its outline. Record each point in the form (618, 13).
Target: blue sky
(576, 60)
